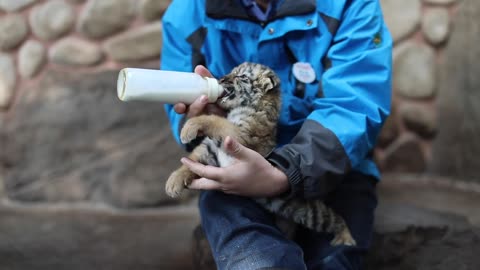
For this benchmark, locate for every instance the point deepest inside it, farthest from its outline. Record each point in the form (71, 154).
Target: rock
(14, 5)
(201, 250)
(64, 237)
(404, 155)
(440, 2)
(420, 225)
(2, 189)
(31, 57)
(101, 18)
(14, 30)
(136, 44)
(153, 9)
(457, 201)
(51, 19)
(389, 130)
(425, 248)
(393, 217)
(402, 17)
(76, 52)
(436, 25)
(70, 138)
(419, 118)
(456, 149)
(7, 79)
(414, 71)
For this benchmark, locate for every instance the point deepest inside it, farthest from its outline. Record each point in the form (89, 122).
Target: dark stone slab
(404, 155)
(70, 238)
(397, 217)
(456, 148)
(69, 138)
(430, 248)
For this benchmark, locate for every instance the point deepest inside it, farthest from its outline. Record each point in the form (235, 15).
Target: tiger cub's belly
(223, 158)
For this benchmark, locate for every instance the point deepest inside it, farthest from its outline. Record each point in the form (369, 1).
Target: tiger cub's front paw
(177, 182)
(343, 238)
(189, 131)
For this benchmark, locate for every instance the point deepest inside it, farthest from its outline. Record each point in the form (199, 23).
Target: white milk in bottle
(165, 86)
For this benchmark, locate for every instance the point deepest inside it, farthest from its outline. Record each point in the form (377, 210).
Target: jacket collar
(220, 9)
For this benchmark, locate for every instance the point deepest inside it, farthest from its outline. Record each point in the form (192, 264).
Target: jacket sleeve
(342, 128)
(176, 50)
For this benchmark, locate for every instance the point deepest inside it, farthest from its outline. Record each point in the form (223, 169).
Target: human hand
(250, 174)
(200, 105)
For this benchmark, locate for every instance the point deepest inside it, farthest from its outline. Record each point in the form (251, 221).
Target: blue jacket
(328, 127)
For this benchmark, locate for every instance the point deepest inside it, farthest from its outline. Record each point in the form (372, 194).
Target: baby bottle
(165, 86)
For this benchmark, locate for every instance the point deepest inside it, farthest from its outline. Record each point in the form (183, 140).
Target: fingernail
(229, 141)
(204, 99)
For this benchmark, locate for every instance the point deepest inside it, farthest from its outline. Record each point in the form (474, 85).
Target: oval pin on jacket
(304, 72)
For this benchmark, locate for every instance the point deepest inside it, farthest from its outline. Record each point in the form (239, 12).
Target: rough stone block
(101, 18)
(14, 30)
(64, 237)
(7, 79)
(70, 139)
(419, 118)
(15, 5)
(75, 52)
(456, 148)
(136, 44)
(436, 25)
(415, 71)
(31, 57)
(51, 19)
(402, 17)
(404, 155)
(153, 9)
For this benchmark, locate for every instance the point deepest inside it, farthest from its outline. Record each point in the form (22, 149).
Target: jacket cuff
(293, 174)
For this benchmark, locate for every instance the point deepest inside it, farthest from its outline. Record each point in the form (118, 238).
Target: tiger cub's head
(250, 85)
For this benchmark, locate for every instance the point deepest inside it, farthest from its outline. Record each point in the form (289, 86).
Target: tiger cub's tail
(312, 214)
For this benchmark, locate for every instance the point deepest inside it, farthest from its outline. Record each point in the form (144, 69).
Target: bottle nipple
(215, 90)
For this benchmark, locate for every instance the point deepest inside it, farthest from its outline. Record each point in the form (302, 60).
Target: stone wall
(60, 57)
(421, 30)
(74, 34)
(456, 148)
(64, 136)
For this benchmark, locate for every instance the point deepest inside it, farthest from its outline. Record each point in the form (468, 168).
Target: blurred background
(82, 174)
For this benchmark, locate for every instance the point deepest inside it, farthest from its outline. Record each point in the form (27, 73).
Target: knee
(214, 202)
(269, 257)
(215, 206)
(207, 198)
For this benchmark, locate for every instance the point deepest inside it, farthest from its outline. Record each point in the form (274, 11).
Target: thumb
(234, 148)
(203, 71)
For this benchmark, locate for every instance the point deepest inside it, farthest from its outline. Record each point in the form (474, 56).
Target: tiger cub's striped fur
(252, 101)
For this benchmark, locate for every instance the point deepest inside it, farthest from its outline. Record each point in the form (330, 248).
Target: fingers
(204, 171)
(235, 149)
(205, 184)
(203, 71)
(180, 108)
(200, 105)
(197, 107)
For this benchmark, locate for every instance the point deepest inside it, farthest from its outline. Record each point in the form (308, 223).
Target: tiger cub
(252, 101)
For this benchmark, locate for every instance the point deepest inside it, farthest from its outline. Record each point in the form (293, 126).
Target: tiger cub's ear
(267, 81)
